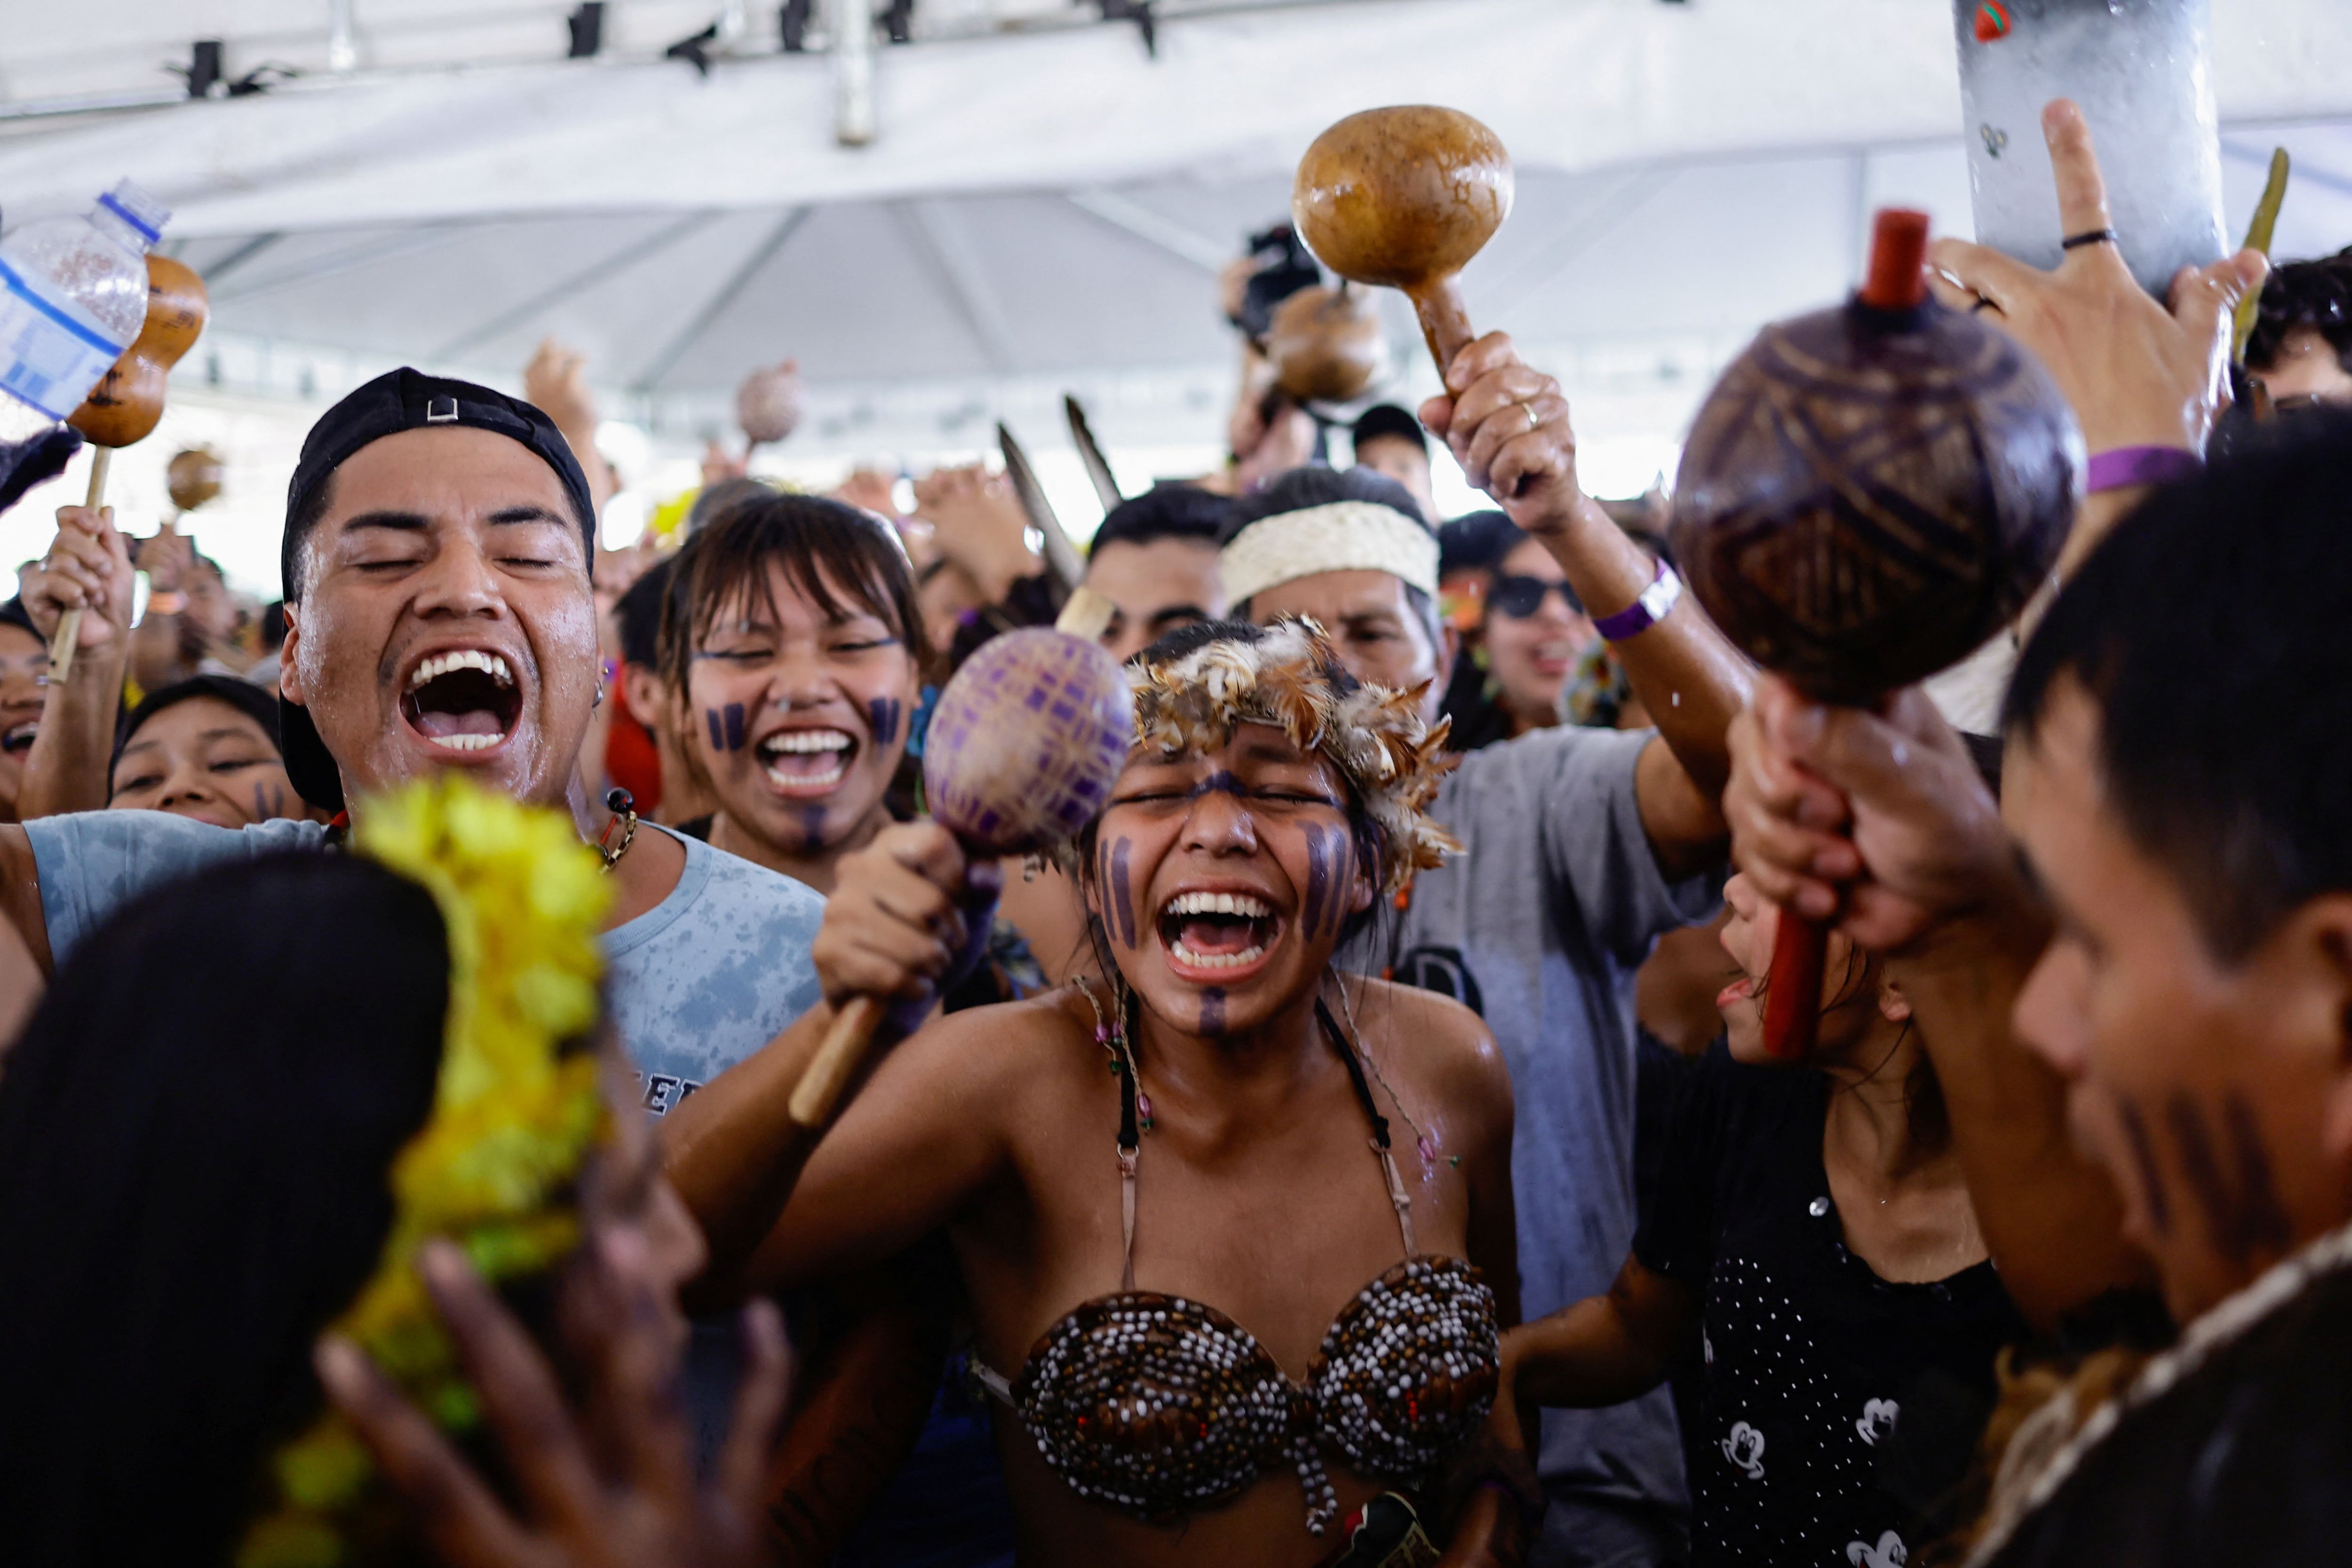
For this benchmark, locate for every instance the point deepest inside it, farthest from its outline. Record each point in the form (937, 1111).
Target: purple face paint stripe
(734, 727)
(717, 739)
(882, 712)
(1319, 879)
(1213, 1011)
(1122, 898)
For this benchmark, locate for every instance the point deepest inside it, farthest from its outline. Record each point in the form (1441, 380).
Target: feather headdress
(1291, 677)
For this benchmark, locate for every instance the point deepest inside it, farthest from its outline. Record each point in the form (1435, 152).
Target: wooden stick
(837, 1057)
(61, 647)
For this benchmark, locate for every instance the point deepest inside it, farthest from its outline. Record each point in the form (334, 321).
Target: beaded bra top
(1159, 1404)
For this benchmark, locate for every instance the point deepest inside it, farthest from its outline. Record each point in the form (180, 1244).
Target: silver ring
(1535, 420)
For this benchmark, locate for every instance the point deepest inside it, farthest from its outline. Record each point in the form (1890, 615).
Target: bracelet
(1647, 610)
(2141, 465)
(170, 602)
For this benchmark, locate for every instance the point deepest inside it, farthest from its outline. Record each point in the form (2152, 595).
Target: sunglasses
(1520, 596)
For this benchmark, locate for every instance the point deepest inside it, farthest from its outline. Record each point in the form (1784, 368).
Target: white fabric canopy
(1570, 85)
(1041, 211)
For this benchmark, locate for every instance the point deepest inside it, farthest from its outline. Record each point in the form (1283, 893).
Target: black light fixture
(899, 21)
(1139, 13)
(587, 24)
(791, 21)
(696, 50)
(204, 68)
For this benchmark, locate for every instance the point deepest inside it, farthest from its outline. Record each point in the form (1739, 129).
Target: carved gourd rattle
(1868, 495)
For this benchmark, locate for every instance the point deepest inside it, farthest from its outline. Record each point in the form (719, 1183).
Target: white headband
(1342, 536)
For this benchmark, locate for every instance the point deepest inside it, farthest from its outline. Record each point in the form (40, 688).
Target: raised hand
(977, 522)
(612, 1485)
(1506, 423)
(2138, 373)
(86, 567)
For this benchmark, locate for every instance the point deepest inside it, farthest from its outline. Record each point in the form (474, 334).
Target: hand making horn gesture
(1506, 423)
(2139, 373)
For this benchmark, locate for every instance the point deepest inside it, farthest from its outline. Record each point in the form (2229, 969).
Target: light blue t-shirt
(698, 982)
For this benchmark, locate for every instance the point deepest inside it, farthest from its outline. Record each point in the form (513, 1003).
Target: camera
(1281, 266)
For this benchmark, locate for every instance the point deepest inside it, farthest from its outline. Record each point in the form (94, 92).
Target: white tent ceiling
(1044, 204)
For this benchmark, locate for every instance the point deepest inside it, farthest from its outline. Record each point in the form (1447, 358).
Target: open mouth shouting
(1218, 937)
(463, 699)
(18, 739)
(808, 762)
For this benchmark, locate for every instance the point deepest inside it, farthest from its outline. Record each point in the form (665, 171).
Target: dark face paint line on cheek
(1122, 897)
(2265, 1224)
(1318, 881)
(882, 715)
(1213, 1011)
(734, 727)
(2151, 1179)
(2242, 1221)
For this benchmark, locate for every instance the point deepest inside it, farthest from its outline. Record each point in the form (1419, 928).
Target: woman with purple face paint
(792, 647)
(1266, 1334)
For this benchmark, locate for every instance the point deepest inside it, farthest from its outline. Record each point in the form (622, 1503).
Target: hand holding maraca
(86, 568)
(1507, 424)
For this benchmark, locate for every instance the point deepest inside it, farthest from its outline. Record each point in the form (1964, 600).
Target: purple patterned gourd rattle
(1023, 747)
(1868, 495)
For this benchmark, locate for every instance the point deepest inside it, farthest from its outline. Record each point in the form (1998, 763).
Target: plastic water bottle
(2139, 69)
(73, 296)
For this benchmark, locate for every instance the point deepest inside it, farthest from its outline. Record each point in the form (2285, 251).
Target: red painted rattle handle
(1896, 280)
(1792, 993)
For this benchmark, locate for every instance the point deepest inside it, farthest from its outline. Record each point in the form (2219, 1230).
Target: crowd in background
(2038, 1255)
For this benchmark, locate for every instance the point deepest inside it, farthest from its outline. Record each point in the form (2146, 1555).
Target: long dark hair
(195, 1129)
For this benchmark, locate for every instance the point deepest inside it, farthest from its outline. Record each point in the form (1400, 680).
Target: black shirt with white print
(1813, 1365)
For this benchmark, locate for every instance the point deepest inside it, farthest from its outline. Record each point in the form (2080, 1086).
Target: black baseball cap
(398, 400)
(1385, 420)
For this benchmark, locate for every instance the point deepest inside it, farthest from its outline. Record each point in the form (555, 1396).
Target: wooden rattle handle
(1792, 992)
(837, 1058)
(1444, 320)
(61, 646)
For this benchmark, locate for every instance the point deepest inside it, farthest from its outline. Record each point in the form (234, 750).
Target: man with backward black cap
(439, 615)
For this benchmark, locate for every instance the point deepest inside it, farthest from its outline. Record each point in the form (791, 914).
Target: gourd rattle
(128, 401)
(1023, 747)
(1868, 494)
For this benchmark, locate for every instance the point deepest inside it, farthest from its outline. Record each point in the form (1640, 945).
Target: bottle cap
(137, 208)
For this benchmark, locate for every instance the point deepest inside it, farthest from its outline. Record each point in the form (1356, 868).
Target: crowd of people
(1358, 1147)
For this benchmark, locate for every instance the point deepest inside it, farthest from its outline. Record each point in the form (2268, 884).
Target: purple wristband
(1646, 611)
(2141, 465)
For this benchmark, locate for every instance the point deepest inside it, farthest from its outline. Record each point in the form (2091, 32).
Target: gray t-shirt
(1538, 926)
(700, 981)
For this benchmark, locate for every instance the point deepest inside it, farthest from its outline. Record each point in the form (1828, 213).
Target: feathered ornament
(1292, 679)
